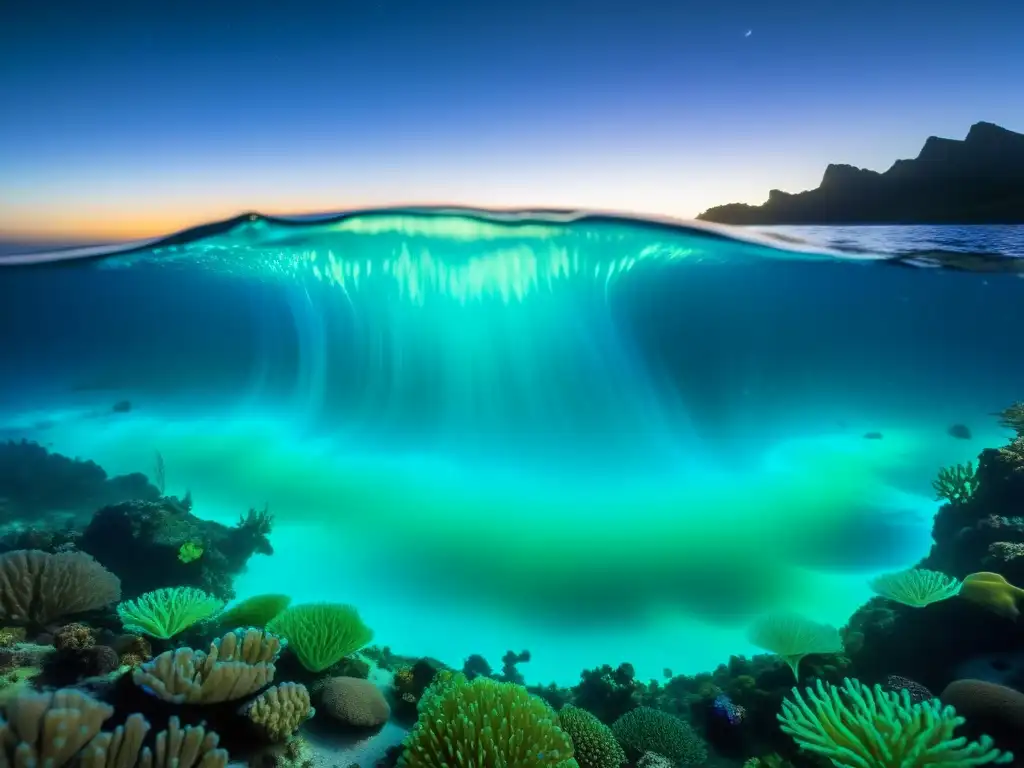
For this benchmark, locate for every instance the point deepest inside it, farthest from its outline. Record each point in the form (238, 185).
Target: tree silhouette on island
(979, 180)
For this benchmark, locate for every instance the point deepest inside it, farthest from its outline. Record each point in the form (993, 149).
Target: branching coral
(38, 587)
(916, 587)
(165, 613)
(1005, 550)
(1013, 418)
(484, 724)
(956, 484)
(861, 727)
(231, 670)
(1014, 453)
(279, 711)
(321, 634)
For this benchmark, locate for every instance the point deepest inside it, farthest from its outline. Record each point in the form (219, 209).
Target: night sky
(125, 119)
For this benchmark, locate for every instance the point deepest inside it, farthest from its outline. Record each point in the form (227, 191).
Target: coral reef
(142, 542)
(976, 537)
(949, 624)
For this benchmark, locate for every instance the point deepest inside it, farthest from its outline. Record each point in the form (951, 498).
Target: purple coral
(724, 707)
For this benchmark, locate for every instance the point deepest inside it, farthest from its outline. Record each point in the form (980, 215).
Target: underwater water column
(491, 409)
(582, 422)
(492, 363)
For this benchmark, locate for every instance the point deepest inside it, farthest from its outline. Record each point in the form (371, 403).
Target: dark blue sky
(132, 118)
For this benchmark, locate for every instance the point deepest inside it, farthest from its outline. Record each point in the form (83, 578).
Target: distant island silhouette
(979, 180)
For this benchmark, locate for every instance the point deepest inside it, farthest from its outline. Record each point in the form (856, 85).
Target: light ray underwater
(598, 437)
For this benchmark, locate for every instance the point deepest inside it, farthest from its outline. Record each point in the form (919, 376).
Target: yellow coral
(403, 677)
(280, 710)
(993, 592)
(11, 636)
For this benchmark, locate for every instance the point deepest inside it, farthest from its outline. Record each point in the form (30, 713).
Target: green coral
(190, 551)
(956, 484)
(792, 636)
(650, 730)
(255, 611)
(167, 612)
(916, 587)
(861, 727)
(593, 742)
(484, 724)
(321, 634)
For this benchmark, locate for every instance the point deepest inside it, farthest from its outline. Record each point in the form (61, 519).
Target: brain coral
(593, 742)
(354, 701)
(990, 708)
(651, 730)
(484, 724)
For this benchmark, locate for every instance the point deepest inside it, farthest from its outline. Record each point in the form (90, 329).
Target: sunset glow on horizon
(129, 121)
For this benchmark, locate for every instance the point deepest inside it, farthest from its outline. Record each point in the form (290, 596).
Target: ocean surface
(597, 438)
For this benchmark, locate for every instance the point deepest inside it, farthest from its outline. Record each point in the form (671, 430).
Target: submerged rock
(145, 543)
(36, 484)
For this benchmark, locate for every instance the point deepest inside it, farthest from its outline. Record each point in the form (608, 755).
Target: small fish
(872, 435)
(959, 431)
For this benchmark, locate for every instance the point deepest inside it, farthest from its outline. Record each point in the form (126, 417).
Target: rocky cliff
(979, 180)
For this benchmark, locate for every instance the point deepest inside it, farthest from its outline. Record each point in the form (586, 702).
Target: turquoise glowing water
(597, 438)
